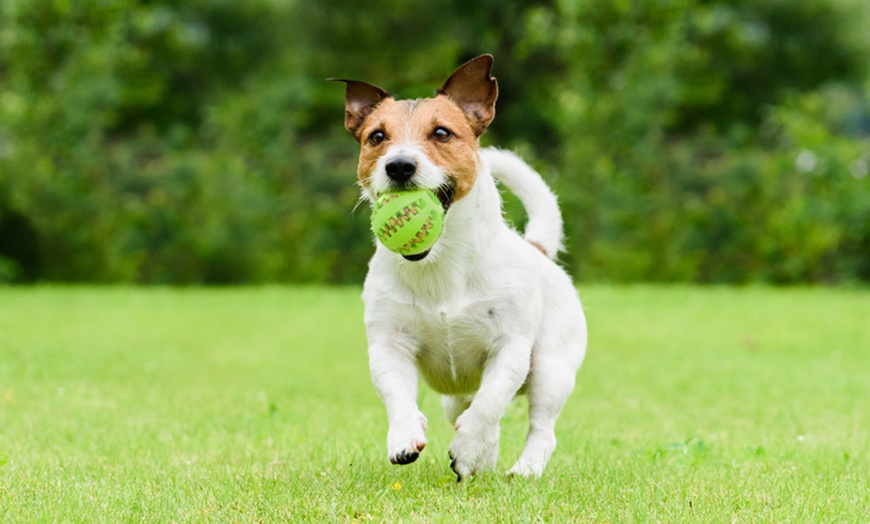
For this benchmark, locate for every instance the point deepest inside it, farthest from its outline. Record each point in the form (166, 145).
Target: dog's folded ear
(360, 99)
(473, 88)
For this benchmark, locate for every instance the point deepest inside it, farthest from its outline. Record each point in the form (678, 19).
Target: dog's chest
(453, 344)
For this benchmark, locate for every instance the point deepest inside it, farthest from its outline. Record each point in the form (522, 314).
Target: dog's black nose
(400, 169)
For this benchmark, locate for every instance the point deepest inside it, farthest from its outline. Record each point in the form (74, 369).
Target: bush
(199, 143)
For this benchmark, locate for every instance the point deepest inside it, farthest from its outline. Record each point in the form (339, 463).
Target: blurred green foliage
(197, 142)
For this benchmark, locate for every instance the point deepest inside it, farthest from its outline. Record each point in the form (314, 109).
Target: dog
(486, 313)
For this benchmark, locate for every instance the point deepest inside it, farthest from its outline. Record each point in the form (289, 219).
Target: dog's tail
(544, 229)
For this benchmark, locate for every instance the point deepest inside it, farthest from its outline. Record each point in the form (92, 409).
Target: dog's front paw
(406, 441)
(474, 448)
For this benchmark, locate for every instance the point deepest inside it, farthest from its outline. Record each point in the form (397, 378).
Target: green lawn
(694, 404)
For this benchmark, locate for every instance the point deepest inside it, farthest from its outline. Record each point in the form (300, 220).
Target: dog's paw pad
(409, 454)
(405, 457)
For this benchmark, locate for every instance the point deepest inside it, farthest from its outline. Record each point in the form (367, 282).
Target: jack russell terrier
(483, 315)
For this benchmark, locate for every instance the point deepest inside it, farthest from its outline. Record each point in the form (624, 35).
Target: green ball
(408, 222)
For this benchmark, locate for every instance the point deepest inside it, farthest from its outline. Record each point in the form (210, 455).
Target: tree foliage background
(197, 142)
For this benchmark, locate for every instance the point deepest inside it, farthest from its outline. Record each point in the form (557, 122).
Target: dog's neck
(458, 260)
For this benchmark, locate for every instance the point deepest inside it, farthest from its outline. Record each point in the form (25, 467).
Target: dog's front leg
(475, 446)
(395, 378)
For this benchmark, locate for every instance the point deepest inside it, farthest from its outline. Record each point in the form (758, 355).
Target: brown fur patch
(538, 246)
(415, 121)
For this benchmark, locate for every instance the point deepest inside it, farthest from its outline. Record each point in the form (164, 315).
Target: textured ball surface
(408, 222)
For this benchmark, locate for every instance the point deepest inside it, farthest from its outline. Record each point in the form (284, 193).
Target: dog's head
(428, 143)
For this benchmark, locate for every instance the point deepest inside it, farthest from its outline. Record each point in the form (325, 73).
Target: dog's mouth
(445, 196)
(418, 256)
(444, 192)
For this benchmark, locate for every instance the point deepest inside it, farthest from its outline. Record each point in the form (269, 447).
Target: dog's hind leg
(454, 405)
(550, 384)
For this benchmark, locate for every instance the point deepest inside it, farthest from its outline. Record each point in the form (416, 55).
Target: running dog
(486, 313)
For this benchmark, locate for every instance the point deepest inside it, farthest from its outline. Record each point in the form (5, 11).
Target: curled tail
(544, 229)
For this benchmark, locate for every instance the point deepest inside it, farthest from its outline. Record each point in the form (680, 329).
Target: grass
(694, 405)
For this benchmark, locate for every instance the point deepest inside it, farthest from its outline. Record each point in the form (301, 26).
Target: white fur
(484, 316)
(428, 175)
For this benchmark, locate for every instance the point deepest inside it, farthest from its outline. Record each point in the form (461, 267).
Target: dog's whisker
(359, 202)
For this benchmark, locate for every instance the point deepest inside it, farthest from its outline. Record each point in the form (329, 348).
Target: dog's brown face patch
(435, 125)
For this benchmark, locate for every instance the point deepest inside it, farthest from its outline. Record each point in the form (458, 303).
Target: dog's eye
(376, 138)
(442, 134)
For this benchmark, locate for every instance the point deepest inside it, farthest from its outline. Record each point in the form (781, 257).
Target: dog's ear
(474, 89)
(360, 99)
